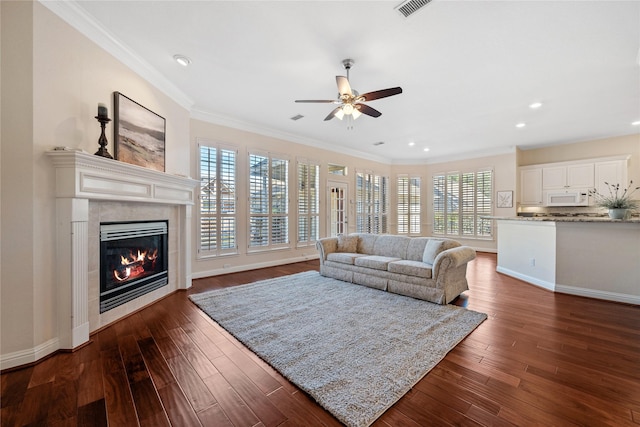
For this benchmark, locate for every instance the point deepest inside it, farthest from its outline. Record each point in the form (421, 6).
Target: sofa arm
(326, 246)
(452, 258)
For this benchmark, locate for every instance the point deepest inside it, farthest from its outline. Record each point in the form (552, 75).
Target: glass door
(338, 208)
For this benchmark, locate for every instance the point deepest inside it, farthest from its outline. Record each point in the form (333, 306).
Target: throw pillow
(431, 250)
(347, 243)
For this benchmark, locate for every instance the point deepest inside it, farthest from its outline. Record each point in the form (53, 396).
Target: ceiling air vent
(410, 7)
(297, 117)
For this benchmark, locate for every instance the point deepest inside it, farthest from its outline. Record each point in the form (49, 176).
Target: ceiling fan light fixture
(339, 114)
(347, 109)
(356, 113)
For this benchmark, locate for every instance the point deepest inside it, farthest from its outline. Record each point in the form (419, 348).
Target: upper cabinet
(579, 175)
(536, 180)
(612, 172)
(531, 186)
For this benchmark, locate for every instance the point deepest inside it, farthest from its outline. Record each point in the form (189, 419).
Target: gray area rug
(354, 349)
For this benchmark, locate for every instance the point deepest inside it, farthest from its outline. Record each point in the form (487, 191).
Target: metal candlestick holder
(102, 141)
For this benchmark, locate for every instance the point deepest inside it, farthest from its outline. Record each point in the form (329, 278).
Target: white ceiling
(469, 69)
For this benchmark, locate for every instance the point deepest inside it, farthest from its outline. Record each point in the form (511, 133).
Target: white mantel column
(184, 279)
(72, 219)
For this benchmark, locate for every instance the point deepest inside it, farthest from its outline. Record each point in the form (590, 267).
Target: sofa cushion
(347, 243)
(410, 268)
(431, 250)
(415, 249)
(343, 257)
(391, 246)
(366, 242)
(375, 261)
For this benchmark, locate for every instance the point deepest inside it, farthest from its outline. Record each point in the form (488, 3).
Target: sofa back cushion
(365, 242)
(415, 249)
(347, 243)
(391, 246)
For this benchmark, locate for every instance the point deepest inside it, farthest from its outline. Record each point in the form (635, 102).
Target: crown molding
(459, 156)
(217, 119)
(75, 15)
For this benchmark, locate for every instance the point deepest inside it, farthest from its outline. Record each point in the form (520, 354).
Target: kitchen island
(581, 255)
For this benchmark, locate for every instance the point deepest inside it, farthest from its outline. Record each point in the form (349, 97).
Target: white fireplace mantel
(81, 177)
(87, 176)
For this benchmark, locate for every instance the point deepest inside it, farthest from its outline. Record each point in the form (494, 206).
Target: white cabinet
(537, 181)
(580, 175)
(531, 186)
(614, 172)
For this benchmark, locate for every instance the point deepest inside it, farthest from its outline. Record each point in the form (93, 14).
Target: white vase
(618, 213)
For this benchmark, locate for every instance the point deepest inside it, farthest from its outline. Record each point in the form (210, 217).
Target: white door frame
(339, 210)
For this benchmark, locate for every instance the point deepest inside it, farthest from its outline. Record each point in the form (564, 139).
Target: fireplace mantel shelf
(87, 176)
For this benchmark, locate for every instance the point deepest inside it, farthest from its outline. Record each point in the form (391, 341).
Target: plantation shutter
(268, 201)
(218, 199)
(372, 203)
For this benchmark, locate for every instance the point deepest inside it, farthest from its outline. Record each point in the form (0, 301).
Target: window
(308, 202)
(408, 205)
(218, 214)
(268, 201)
(336, 169)
(372, 203)
(459, 202)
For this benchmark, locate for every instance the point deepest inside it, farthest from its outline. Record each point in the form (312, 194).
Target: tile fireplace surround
(91, 189)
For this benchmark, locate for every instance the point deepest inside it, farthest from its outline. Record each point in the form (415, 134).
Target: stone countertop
(600, 219)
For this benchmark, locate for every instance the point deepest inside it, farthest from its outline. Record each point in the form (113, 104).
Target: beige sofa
(427, 268)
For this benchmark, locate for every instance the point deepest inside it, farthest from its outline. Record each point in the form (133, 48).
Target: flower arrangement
(616, 200)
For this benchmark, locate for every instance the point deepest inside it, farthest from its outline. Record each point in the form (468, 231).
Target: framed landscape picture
(139, 134)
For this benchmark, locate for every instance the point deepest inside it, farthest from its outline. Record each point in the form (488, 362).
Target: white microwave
(568, 197)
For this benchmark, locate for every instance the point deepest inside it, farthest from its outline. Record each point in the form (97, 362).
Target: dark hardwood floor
(540, 359)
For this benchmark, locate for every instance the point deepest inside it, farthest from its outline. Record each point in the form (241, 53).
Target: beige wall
(17, 181)
(53, 78)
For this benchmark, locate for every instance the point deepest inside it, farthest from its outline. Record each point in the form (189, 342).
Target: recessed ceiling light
(636, 123)
(425, 149)
(535, 105)
(182, 60)
(521, 125)
(411, 144)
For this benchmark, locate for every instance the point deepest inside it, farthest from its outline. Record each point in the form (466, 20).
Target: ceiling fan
(350, 102)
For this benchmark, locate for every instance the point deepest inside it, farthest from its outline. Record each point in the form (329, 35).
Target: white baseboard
(30, 355)
(594, 293)
(534, 281)
(573, 290)
(247, 267)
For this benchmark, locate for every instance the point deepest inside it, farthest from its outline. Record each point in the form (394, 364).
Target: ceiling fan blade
(365, 109)
(332, 114)
(324, 101)
(370, 96)
(344, 88)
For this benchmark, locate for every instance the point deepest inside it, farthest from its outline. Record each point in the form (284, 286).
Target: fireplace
(133, 260)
